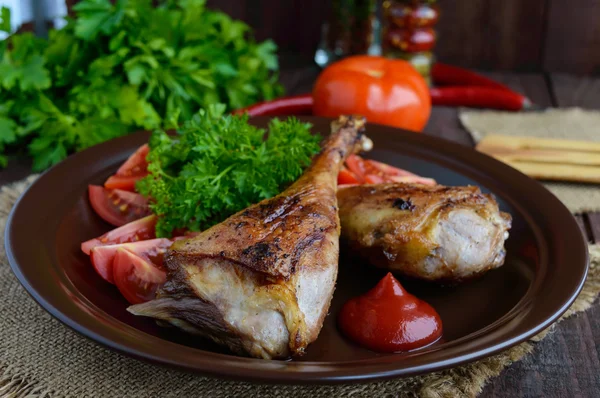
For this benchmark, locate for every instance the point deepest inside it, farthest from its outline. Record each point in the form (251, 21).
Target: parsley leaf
(217, 164)
(5, 19)
(97, 16)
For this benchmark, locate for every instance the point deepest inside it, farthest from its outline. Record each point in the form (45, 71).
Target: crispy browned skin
(437, 233)
(261, 281)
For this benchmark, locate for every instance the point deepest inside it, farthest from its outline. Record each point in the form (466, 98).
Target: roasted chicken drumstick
(261, 281)
(436, 233)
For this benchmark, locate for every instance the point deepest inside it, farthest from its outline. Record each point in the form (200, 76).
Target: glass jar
(351, 29)
(408, 32)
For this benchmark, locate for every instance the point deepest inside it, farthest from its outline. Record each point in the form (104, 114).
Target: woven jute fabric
(40, 357)
(565, 123)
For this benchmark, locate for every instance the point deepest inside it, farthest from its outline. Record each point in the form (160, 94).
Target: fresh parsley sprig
(217, 164)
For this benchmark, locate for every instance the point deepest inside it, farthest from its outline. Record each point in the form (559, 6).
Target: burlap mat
(570, 123)
(40, 357)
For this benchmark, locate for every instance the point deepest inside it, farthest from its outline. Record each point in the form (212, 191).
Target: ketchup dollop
(389, 319)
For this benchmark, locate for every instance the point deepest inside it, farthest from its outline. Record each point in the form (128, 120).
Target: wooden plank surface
(593, 222)
(456, 42)
(490, 34)
(444, 123)
(582, 224)
(294, 25)
(235, 9)
(564, 364)
(573, 37)
(516, 30)
(17, 169)
(484, 34)
(532, 35)
(572, 90)
(298, 78)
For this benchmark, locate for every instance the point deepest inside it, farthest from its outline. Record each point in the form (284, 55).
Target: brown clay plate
(544, 271)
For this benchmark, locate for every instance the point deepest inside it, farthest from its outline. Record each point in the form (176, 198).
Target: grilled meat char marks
(403, 204)
(261, 281)
(267, 238)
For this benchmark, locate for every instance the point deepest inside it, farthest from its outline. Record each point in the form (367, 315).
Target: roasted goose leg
(261, 281)
(437, 233)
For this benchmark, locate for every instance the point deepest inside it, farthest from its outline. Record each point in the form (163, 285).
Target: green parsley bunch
(117, 68)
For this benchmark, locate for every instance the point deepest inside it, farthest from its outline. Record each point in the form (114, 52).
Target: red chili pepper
(295, 105)
(448, 75)
(479, 97)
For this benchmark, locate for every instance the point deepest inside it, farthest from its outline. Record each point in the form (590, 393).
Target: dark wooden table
(567, 362)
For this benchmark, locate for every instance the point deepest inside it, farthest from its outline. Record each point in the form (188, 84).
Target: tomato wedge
(374, 167)
(136, 278)
(413, 180)
(374, 179)
(151, 250)
(125, 183)
(357, 166)
(141, 229)
(136, 163)
(374, 172)
(346, 177)
(117, 207)
(134, 169)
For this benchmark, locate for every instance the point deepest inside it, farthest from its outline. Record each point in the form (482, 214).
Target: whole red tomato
(386, 91)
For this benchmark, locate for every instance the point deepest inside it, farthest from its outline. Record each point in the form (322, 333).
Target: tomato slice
(374, 167)
(134, 169)
(357, 166)
(413, 180)
(374, 179)
(346, 177)
(124, 183)
(151, 250)
(374, 172)
(117, 207)
(141, 229)
(136, 163)
(136, 278)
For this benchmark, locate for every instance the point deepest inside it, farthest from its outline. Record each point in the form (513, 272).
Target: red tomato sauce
(389, 319)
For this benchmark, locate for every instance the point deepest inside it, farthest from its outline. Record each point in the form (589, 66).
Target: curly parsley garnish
(217, 164)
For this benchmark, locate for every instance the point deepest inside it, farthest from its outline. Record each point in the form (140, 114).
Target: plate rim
(257, 373)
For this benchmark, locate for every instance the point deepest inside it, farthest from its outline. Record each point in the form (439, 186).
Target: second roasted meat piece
(436, 233)
(261, 281)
